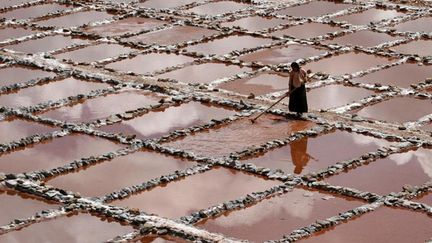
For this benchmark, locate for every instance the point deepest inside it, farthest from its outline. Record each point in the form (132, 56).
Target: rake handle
(279, 100)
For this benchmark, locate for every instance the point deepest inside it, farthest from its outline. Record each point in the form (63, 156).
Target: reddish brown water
(313, 154)
(240, 134)
(33, 12)
(274, 217)
(15, 129)
(156, 124)
(368, 16)
(176, 34)
(317, 8)
(148, 63)
(196, 192)
(75, 19)
(204, 73)
(120, 172)
(281, 55)
(418, 25)
(307, 30)
(95, 53)
(103, 107)
(9, 3)
(364, 38)
(419, 47)
(402, 75)
(123, 26)
(335, 95)
(54, 153)
(18, 74)
(19, 206)
(255, 23)
(11, 32)
(228, 44)
(46, 44)
(216, 8)
(389, 174)
(399, 109)
(261, 84)
(165, 3)
(383, 225)
(427, 199)
(346, 63)
(154, 239)
(52, 91)
(77, 228)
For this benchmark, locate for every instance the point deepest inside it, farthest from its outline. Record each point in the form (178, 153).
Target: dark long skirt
(298, 100)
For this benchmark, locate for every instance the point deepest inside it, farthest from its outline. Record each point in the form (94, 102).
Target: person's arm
(304, 76)
(290, 83)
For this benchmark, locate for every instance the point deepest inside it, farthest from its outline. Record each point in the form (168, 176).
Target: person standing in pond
(297, 90)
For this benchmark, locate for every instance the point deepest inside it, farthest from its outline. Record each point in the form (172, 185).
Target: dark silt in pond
(82, 227)
(307, 30)
(33, 11)
(123, 26)
(346, 63)
(120, 172)
(389, 174)
(317, 153)
(20, 206)
(103, 107)
(240, 134)
(272, 218)
(159, 123)
(164, 4)
(173, 35)
(316, 8)
(54, 153)
(398, 109)
(75, 19)
(255, 23)
(14, 32)
(21, 74)
(282, 54)
(382, 225)
(368, 16)
(148, 63)
(228, 44)
(417, 25)
(263, 83)
(15, 129)
(365, 38)
(402, 75)
(95, 53)
(180, 198)
(204, 73)
(419, 47)
(52, 91)
(332, 96)
(215, 8)
(45, 44)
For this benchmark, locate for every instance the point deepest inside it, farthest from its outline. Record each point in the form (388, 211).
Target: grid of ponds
(129, 120)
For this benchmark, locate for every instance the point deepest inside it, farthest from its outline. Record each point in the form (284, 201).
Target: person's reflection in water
(299, 155)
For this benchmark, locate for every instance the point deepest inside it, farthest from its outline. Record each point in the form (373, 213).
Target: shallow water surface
(274, 217)
(369, 228)
(196, 192)
(159, 123)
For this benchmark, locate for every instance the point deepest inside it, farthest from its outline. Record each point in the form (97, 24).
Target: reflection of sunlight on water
(294, 204)
(366, 140)
(422, 156)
